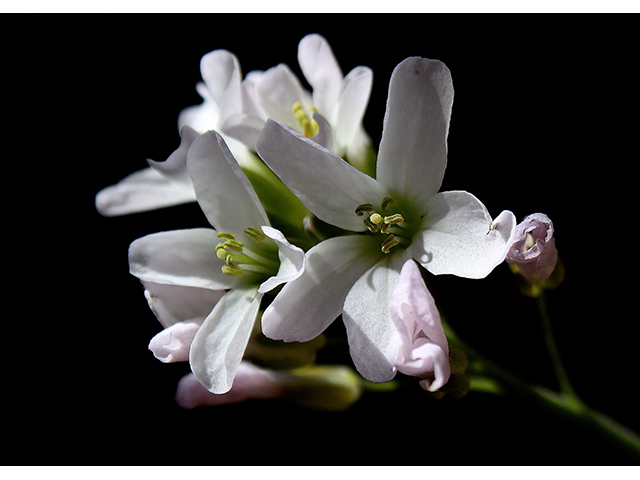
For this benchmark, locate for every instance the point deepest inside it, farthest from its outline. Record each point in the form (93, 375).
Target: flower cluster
(309, 224)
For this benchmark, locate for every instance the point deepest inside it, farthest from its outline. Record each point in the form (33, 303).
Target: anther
(389, 242)
(393, 219)
(229, 236)
(254, 234)
(385, 202)
(373, 228)
(362, 209)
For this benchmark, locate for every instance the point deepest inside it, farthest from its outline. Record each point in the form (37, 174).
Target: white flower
(339, 100)
(167, 183)
(399, 215)
(245, 254)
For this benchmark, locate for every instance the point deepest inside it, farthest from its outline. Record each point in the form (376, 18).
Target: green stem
(561, 374)
(565, 404)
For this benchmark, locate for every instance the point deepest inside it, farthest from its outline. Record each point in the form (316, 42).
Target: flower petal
(292, 261)
(278, 90)
(221, 73)
(324, 183)
(222, 189)
(308, 304)
(459, 237)
(180, 257)
(218, 347)
(174, 303)
(413, 305)
(321, 69)
(175, 167)
(368, 321)
(352, 104)
(413, 150)
(173, 343)
(142, 191)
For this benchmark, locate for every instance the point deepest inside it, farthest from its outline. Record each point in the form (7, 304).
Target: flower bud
(533, 250)
(173, 343)
(250, 382)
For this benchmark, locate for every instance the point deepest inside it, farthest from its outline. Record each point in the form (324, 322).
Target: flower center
(389, 225)
(258, 256)
(308, 125)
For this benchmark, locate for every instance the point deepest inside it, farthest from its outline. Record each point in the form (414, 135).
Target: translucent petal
(413, 150)
(179, 257)
(222, 189)
(457, 237)
(327, 185)
(219, 345)
(368, 321)
(308, 304)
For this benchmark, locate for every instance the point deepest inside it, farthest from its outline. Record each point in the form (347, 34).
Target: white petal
(142, 191)
(203, 117)
(244, 128)
(221, 73)
(175, 167)
(327, 185)
(321, 69)
(222, 189)
(308, 304)
(457, 237)
(413, 150)
(180, 257)
(352, 104)
(368, 321)
(218, 347)
(174, 303)
(292, 260)
(278, 90)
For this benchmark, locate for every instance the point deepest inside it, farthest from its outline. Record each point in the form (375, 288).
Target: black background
(540, 123)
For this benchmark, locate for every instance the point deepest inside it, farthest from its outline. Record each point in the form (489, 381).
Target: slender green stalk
(561, 374)
(567, 405)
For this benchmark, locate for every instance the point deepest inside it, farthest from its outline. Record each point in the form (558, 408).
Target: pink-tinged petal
(460, 238)
(142, 191)
(174, 303)
(419, 346)
(413, 149)
(292, 261)
(219, 345)
(413, 306)
(180, 257)
(311, 302)
(321, 69)
(222, 189)
(173, 343)
(533, 248)
(367, 319)
(327, 185)
(251, 382)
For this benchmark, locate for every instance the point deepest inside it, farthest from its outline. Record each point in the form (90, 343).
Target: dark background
(540, 123)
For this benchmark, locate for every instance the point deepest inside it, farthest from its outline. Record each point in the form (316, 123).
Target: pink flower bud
(419, 347)
(250, 382)
(173, 343)
(533, 249)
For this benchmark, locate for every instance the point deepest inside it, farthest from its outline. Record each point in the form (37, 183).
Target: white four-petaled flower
(244, 255)
(396, 216)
